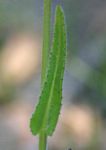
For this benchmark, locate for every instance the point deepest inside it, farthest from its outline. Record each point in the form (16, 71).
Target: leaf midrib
(52, 88)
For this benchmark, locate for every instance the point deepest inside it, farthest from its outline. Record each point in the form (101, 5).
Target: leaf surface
(47, 111)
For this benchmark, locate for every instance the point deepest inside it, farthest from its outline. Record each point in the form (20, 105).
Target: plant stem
(45, 54)
(42, 141)
(46, 37)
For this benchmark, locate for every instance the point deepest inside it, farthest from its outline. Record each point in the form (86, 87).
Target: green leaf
(47, 111)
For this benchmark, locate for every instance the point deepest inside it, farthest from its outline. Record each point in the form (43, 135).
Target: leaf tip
(59, 9)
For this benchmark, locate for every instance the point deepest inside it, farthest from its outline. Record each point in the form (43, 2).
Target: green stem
(42, 141)
(45, 53)
(46, 37)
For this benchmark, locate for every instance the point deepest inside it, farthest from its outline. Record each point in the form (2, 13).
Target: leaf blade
(47, 111)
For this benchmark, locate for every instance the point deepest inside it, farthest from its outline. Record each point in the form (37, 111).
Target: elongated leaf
(47, 111)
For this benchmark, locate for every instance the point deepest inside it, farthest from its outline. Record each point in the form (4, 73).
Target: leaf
(47, 111)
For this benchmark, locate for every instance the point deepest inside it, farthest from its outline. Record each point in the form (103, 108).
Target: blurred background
(82, 123)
